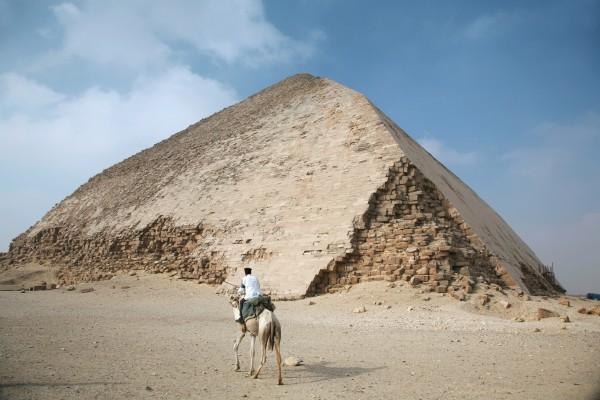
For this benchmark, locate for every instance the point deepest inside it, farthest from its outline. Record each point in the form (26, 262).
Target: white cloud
(135, 33)
(99, 126)
(19, 93)
(486, 26)
(447, 155)
(53, 140)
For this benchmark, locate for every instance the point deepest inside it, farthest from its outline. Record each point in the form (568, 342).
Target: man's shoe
(240, 320)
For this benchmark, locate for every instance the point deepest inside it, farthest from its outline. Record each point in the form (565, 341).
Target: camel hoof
(237, 369)
(255, 376)
(280, 383)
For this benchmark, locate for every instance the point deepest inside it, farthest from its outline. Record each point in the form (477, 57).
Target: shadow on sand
(43, 384)
(322, 371)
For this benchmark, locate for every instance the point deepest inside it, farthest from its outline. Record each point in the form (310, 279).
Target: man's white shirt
(252, 287)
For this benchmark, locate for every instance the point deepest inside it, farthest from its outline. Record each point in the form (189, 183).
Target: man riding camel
(250, 289)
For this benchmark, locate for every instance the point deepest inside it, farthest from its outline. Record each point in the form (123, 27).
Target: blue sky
(505, 93)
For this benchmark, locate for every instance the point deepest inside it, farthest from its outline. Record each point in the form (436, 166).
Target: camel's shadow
(322, 371)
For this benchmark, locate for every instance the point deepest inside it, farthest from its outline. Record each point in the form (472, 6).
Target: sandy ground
(155, 337)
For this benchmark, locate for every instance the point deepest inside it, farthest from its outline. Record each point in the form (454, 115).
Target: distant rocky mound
(308, 183)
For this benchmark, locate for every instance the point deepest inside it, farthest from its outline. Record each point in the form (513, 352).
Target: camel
(268, 329)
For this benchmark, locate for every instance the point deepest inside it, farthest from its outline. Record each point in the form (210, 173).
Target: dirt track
(163, 338)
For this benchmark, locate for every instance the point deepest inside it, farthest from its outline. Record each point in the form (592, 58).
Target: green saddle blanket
(253, 307)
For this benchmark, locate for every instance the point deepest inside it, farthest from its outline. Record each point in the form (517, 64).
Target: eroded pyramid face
(307, 183)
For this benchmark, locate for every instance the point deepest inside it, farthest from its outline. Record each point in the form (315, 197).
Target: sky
(504, 93)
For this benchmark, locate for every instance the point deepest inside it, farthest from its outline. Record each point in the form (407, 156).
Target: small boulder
(292, 361)
(565, 319)
(86, 290)
(359, 310)
(482, 299)
(564, 302)
(458, 295)
(414, 281)
(542, 313)
(504, 303)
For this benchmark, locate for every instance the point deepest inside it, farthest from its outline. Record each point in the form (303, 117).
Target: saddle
(254, 307)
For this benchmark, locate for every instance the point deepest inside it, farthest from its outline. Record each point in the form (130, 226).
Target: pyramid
(306, 182)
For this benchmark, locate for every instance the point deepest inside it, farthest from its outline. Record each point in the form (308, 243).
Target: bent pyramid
(308, 183)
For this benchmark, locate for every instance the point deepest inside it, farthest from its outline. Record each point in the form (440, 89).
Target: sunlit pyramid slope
(308, 183)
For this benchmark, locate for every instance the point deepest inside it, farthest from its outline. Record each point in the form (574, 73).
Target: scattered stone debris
(132, 273)
(542, 313)
(292, 361)
(482, 299)
(70, 288)
(564, 302)
(148, 388)
(410, 308)
(504, 304)
(125, 287)
(414, 281)
(537, 330)
(519, 319)
(458, 295)
(86, 290)
(592, 311)
(565, 319)
(360, 309)
(378, 303)
(39, 286)
(311, 303)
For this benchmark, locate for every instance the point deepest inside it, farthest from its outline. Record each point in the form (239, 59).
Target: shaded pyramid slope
(306, 182)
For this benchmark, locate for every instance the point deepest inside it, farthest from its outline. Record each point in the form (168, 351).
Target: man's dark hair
(247, 271)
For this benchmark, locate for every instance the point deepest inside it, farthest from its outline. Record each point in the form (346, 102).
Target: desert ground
(157, 337)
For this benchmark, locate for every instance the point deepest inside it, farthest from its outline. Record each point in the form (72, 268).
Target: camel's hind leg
(235, 349)
(263, 356)
(278, 358)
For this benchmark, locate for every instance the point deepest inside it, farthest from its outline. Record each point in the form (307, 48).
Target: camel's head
(234, 300)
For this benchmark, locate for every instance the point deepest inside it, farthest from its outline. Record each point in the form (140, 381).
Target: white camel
(268, 329)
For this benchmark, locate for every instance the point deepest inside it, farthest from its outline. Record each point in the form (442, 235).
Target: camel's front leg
(252, 342)
(263, 357)
(235, 349)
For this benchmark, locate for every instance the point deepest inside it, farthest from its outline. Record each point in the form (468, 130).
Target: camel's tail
(273, 331)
